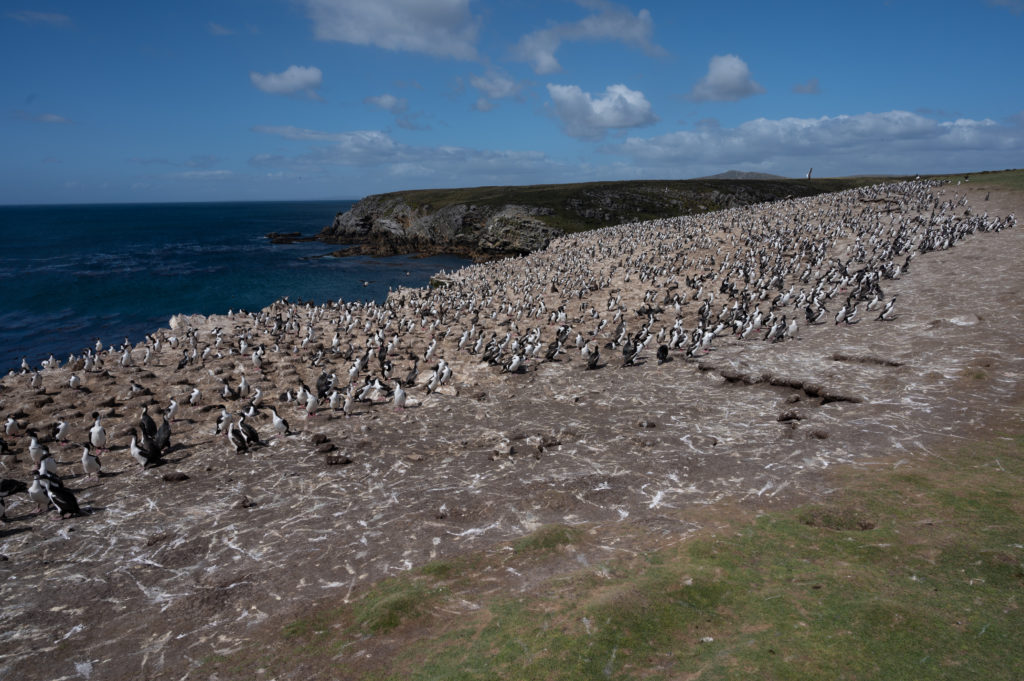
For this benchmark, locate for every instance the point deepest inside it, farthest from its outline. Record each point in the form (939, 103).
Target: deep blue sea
(72, 274)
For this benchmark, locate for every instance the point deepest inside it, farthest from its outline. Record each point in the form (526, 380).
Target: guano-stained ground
(161, 575)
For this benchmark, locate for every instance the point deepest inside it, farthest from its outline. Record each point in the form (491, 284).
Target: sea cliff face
(485, 223)
(387, 225)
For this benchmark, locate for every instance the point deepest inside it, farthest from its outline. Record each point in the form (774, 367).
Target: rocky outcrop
(491, 222)
(387, 225)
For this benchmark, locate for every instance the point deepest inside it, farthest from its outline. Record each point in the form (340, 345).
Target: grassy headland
(588, 205)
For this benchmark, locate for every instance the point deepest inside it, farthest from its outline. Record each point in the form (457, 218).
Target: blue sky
(331, 99)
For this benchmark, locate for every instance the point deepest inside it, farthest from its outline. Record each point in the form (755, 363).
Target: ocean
(72, 274)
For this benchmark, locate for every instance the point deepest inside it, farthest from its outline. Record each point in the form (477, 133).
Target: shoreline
(248, 539)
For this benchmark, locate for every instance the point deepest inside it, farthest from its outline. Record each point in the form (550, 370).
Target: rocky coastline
(490, 223)
(387, 225)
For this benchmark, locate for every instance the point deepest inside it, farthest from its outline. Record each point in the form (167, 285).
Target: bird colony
(584, 382)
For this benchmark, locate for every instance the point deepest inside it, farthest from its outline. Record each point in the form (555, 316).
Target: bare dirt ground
(162, 574)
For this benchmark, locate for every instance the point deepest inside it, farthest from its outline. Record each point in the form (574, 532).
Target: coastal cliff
(484, 223)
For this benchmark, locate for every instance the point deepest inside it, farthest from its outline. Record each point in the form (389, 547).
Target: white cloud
(889, 142)
(727, 80)
(495, 85)
(611, 22)
(395, 105)
(359, 147)
(293, 80)
(442, 28)
(538, 48)
(416, 165)
(586, 117)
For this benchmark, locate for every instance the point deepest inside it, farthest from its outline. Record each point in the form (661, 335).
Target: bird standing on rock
(97, 434)
(36, 451)
(162, 440)
(146, 455)
(90, 462)
(280, 425)
(12, 428)
(236, 440)
(61, 497)
(222, 421)
(886, 314)
(38, 495)
(399, 396)
(248, 432)
(146, 424)
(61, 431)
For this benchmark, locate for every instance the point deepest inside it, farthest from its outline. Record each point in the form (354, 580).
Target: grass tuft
(547, 538)
(392, 602)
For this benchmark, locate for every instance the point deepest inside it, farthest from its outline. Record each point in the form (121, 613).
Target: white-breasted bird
(97, 434)
(400, 396)
(90, 462)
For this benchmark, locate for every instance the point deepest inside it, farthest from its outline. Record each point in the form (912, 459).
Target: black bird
(7, 488)
(323, 384)
(162, 440)
(60, 496)
(629, 359)
(593, 359)
(662, 354)
(146, 453)
(146, 423)
(237, 440)
(248, 432)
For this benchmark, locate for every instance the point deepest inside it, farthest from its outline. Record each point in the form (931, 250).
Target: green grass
(581, 206)
(913, 572)
(547, 538)
(394, 601)
(911, 575)
(1001, 179)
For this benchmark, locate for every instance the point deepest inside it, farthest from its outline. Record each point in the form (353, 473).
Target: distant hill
(742, 175)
